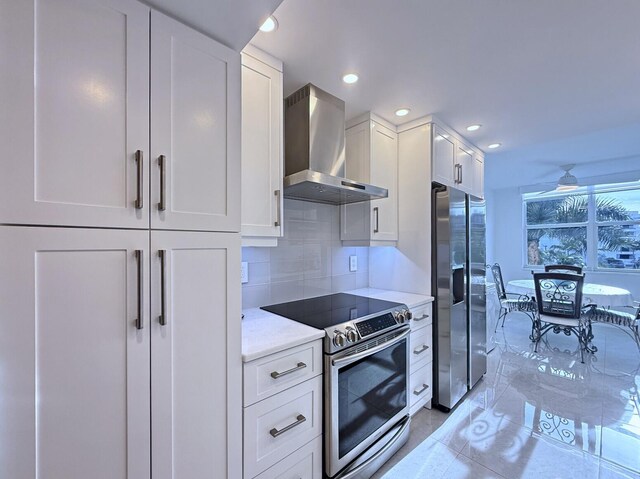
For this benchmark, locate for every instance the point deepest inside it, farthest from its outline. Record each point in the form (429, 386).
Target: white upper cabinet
(455, 163)
(196, 369)
(75, 353)
(371, 157)
(74, 122)
(477, 188)
(195, 130)
(262, 148)
(444, 157)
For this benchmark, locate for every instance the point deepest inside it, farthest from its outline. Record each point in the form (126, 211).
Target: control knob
(352, 335)
(400, 317)
(339, 339)
(408, 314)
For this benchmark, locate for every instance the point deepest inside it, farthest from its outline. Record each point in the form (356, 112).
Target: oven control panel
(373, 325)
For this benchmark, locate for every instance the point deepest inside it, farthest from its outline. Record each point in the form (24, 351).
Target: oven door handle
(351, 358)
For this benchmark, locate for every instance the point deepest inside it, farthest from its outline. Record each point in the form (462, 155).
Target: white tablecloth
(600, 294)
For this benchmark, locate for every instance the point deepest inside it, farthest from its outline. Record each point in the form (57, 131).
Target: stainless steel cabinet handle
(421, 350)
(424, 316)
(140, 185)
(277, 195)
(163, 304)
(460, 174)
(140, 260)
(424, 387)
(297, 367)
(299, 420)
(376, 214)
(162, 163)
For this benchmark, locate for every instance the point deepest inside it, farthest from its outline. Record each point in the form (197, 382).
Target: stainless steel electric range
(366, 378)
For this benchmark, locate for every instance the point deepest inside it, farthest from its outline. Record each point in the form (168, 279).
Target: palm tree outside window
(596, 227)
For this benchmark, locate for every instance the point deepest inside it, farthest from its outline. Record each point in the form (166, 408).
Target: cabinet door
(478, 177)
(75, 365)
(75, 110)
(384, 173)
(355, 219)
(464, 160)
(443, 158)
(196, 366)
(195, 130)
(261, 149)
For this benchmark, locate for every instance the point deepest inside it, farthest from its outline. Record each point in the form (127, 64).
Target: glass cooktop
(331, 310)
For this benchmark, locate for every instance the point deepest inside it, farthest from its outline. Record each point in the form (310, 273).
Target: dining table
(592, 293)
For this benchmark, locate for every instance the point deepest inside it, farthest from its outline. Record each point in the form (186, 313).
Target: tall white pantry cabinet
(119, 245)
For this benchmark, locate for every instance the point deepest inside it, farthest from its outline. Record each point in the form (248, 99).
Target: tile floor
(536, 415)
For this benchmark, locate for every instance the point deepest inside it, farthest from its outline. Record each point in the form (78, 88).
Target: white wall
(309, 261)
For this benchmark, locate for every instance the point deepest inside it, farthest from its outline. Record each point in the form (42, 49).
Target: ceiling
(528, 71)
(603, 156)
(231, 22)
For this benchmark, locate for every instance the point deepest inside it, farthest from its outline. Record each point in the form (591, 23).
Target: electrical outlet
(353, 263)
(244, 272)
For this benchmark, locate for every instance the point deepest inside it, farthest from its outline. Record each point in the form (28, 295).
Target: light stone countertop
(410, 299)
(265, 333)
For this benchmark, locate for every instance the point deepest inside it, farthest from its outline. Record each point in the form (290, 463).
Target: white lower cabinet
(283, 414)
(305, 463)
(421, 358)
(195, 358)
(110, 373)
(74, 351)
(420, 391)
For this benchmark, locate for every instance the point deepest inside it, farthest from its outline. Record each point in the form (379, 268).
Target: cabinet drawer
(305, 463)
(276, 426)
(421, 316)
(421, 351)
(272, 374)
(420, 384)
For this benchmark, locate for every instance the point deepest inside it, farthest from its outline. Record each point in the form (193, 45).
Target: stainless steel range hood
(314, 155)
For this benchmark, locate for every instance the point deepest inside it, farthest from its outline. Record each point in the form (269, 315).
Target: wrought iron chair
(521, 303)
(562, 268)
(559, 309)
(628, 322)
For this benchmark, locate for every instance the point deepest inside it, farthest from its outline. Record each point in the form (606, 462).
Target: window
(597, 227)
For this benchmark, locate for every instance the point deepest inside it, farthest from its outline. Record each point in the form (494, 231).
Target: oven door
(366, 393)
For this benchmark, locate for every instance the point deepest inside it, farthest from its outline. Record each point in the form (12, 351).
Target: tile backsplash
(308, 261)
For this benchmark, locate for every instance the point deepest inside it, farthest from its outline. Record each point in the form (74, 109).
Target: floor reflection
(538, 415)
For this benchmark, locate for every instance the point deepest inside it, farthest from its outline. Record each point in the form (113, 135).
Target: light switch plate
(353, 263)
(244, 272)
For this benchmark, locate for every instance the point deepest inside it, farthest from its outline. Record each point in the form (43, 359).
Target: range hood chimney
(314, 154)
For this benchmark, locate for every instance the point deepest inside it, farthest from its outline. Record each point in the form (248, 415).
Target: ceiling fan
(566, 182)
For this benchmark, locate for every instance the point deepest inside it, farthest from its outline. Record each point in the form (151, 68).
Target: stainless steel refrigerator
(458, 283)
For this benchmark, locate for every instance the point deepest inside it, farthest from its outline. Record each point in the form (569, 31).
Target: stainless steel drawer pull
(421, 350)
(162, 163)
(140, 290)
(424, 387)
(276, 374)
(163, 302)
(277, 195)
(299, 420)
(376, 213)
(140, 182)
(424, 316)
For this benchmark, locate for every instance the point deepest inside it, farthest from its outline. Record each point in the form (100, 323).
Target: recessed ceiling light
(269, 25)
(350, 78)
(473, 127)
(402, 111)
(494, 145)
